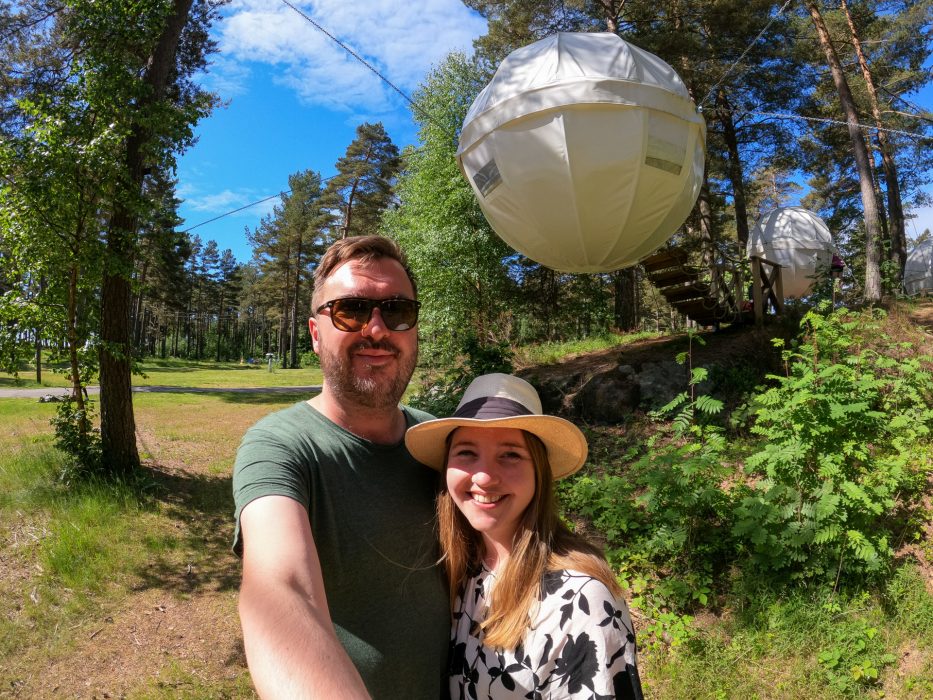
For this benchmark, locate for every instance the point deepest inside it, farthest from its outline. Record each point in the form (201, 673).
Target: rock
(607, 397)
(554, 391)
(660, 382)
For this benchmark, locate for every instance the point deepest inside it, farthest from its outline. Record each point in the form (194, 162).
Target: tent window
(487, 178)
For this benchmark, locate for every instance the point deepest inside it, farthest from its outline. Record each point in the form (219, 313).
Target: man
(340, 596)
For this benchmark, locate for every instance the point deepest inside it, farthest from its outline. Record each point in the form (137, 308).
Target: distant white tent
(918, 270)
(586, 153)
(799, 241)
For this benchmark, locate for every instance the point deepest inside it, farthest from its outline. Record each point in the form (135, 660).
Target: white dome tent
(918, 269)
(799, 241)
(586, 153)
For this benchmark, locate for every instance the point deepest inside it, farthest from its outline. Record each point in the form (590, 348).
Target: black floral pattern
(581, 644)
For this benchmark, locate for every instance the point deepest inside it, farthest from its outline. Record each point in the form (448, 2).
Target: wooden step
(677, 275)
(698, 307)
(689, 290)
(669, 257)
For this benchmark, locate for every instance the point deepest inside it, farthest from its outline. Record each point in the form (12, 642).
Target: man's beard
(370, 388)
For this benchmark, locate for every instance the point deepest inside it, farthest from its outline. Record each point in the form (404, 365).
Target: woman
(536, 610)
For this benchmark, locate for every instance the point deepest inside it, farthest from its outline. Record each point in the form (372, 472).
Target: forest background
(95, 265)
(98, 99)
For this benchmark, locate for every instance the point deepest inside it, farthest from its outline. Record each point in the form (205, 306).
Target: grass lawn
(184, 373)
(113, 590)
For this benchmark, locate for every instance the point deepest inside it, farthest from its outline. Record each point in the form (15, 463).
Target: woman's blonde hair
(542, 543)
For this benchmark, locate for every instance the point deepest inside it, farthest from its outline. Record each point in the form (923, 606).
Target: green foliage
(829, 484)
(310, 359)
(837, 455)
(77, 439)
(682, 498)
(457, 258)
(670, 516)
(910, 604)
(854, 656)
(440, 398)
(362, 188)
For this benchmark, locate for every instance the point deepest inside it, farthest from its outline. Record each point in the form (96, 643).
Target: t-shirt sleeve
(268, 463)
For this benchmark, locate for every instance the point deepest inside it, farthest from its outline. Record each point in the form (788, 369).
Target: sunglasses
(354, 313)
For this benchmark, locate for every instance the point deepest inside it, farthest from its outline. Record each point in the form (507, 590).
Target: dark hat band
(490, 407)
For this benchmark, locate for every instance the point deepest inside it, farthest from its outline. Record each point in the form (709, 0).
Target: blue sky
(293, 98)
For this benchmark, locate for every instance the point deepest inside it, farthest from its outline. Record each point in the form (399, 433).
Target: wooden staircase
(704, 295)
(696, 293)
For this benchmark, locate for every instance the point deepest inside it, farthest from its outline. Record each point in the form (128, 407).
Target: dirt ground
(176, 633)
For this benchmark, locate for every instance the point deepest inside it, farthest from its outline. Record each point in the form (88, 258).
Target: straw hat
(501, 401)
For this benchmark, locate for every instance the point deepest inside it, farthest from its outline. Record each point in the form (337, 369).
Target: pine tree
(362, 188)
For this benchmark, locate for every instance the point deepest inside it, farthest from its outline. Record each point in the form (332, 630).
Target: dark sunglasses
(353, 313)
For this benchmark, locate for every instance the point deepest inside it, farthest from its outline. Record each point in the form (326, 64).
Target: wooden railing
(767, 288)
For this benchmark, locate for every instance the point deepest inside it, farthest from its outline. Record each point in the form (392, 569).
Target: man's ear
(313, 329)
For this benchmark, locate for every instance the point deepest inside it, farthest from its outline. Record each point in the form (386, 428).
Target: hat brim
(565, 443)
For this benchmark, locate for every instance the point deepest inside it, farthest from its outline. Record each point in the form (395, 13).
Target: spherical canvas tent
(918, 269)
(799, 241)
(585, 152)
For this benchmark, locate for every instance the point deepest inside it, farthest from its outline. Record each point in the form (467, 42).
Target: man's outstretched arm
(291, 647)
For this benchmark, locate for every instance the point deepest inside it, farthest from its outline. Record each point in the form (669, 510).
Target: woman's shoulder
(574, 602)
(567, 582)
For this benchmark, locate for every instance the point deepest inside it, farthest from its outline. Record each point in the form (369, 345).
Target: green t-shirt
(371, 509)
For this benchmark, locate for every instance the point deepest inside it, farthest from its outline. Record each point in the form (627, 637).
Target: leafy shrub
(440, 397)
(835, 462)
(683, 497)
(76, 437)
(855, 656)
(666, 522)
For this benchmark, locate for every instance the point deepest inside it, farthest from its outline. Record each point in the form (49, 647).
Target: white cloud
(226, 77)
(400, 40)
(226, 200)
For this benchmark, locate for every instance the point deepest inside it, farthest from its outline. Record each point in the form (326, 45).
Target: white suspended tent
(799, 241)
(585, 152)
(918, 269)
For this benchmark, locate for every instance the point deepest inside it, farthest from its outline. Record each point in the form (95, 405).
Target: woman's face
(491, 478)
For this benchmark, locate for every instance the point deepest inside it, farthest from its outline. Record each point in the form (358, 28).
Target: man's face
(370, 367)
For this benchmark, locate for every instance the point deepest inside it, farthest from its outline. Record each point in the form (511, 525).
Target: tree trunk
(77, 394)
(38, 339)
(725, 115)
(117, 422)
(707, 235)
(872, 290)
(624, 286)
(895, 206)
(293, 340)
(220, 312)
(138, 308)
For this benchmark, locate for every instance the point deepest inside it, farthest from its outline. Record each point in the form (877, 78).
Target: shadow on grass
(198, 556)
(261, 399)
(181, 369)
(251, 396)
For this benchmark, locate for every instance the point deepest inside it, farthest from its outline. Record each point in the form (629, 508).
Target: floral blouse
(581, 645)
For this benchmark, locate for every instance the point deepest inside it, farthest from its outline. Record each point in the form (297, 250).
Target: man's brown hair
(365, 249)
